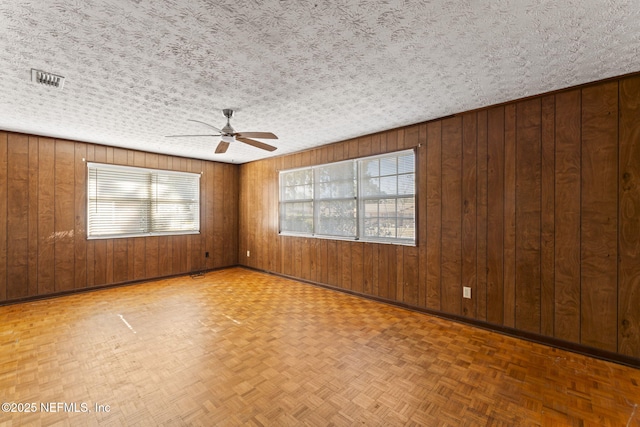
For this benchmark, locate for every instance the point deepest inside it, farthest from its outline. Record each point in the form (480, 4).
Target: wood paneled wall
(534, 204)
(43, 245)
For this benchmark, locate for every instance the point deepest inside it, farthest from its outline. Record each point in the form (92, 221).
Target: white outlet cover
(466, 292)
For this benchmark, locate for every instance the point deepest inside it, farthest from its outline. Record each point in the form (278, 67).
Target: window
(370, 199)
(127, 201)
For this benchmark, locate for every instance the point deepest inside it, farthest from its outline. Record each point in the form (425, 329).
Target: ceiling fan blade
(257, 144)
(183, 136)
(206, 124)
(263, 135)
(222, 147)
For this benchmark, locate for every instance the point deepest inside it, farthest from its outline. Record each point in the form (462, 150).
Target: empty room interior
(269, 213)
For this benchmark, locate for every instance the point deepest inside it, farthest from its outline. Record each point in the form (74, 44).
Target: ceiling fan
(229, 135)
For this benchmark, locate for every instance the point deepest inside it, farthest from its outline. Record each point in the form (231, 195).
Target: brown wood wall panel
(451, 216)
(528, 214)
(599, 214)
(567, 222)
(80, 206)
(46, 223)
(43, 207)
(33, 217)
(469, 211)
(433, 224)
(509, 248)
(495, 215)
(547, 205)
(481, 259)
(17, 216)
(3, 212)
(502, 195)
(64, 215)
(629, 222)
(421, 213)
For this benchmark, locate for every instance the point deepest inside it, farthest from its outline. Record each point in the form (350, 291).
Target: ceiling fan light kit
(228, 135)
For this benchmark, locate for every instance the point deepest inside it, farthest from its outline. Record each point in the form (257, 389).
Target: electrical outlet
(248, 253)
(206, 254)
(466, 292)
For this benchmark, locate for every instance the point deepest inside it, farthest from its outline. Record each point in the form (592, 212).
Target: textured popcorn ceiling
(312, 72)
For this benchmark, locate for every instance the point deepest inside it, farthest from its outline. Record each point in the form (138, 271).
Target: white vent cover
(47, 79)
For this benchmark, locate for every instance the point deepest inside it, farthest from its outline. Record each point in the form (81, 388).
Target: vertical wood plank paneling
(272, 215)
(451, 215)
(17, 216)
(375, 261)
(367, 271)
(322, 256)
(64, 215)
(208, 215)
(3, 213)
(629, 219)
(46, 223)
(383, 272)
(305, 257)
(495, 215)
(410, 277)
(528, 214)
(599, 214)
(547, 195)
(469, 211)
(434, 214)
(332, 262)
(567, 221)
(392, 141)
(510, 215)
(357, 266)
(392, 276)
(139, 243)
(421, 217)
(80, 204)
(481, 286)
(399, 251)
(33, 216)
(218, 216)
(344, 249)
(364, 146)
(228, 216)
(375, 146)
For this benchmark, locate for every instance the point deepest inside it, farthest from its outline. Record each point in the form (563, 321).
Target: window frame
(359, 200)
(151, 201)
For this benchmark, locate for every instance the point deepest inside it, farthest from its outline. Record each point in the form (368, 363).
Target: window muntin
(124, 201)
(370, 199)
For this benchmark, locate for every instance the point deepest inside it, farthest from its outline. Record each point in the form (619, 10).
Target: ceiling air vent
(47, 79)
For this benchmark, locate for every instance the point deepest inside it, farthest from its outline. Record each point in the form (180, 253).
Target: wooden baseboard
(106, 286)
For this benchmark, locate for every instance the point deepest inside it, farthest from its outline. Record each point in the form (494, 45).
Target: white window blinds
(125, 201)
(370, 199)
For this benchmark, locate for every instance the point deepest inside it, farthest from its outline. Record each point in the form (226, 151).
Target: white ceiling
(312, 72)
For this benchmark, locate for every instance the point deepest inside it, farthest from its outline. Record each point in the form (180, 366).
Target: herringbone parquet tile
(236, 347)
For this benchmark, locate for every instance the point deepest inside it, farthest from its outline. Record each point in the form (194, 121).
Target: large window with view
(369, 199)
(124, 201)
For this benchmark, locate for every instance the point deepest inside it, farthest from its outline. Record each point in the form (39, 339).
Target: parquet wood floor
(237, 347)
